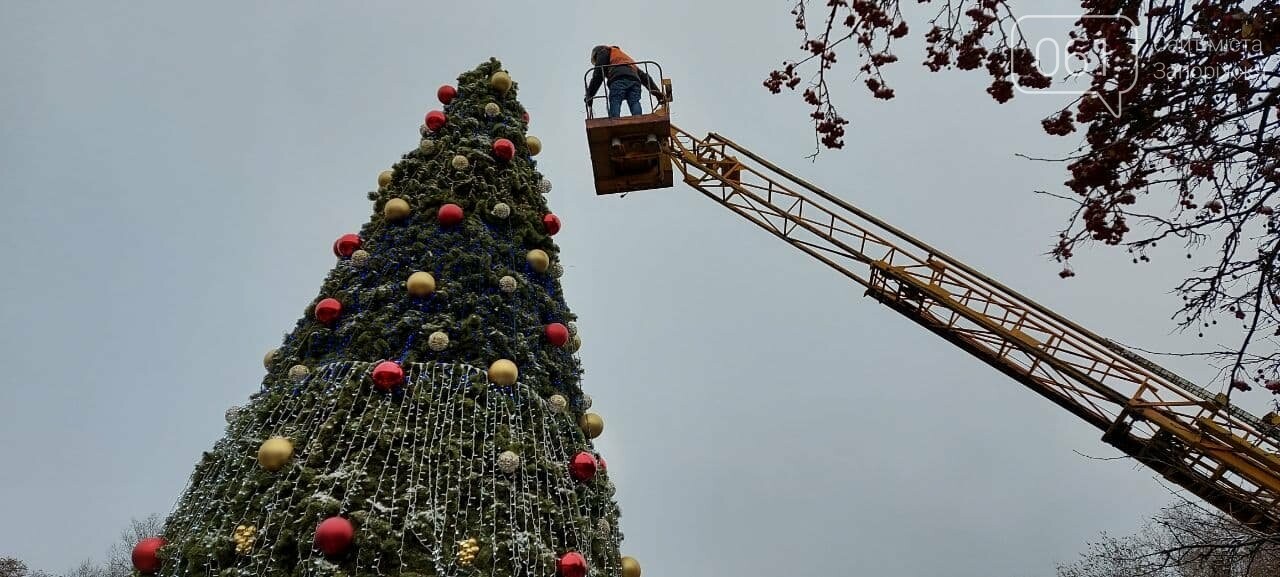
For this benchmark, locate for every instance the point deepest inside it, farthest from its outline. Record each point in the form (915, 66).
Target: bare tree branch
(1192, 156)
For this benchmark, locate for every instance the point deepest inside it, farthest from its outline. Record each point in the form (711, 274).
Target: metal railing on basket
(655, 101)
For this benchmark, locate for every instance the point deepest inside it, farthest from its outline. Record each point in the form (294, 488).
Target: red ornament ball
(583, 466)
(504, 149)
(551, 223)
(387, 375)
(446, 93)
(449, 215)
(557, 334)
(345, 245)
(435, 120)
(572, 564)
(334, 535)
(328, 310)
(145, 558)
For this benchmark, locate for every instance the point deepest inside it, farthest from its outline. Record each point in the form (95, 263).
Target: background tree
(13, 567)
(1184, 540)
(119, 562)
(1189, 155)
(10, 567)
(87, 568)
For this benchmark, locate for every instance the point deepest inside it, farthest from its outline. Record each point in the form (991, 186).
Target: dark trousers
(625, 88)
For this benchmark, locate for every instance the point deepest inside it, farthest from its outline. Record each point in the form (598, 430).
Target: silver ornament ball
(438, 341)
(558, 403)
(508, 462)
(508, 284)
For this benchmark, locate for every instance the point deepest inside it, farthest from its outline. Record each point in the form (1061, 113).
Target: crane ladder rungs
(1220, 453)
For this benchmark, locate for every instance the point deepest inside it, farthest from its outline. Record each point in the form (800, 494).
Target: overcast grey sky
(173, 175)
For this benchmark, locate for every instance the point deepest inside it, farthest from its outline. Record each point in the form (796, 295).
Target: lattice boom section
(1205, 466)
(1224, 448)
(708, 166)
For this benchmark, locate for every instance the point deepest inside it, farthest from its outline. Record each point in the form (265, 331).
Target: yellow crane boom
(1227, 458)
(1192, 437)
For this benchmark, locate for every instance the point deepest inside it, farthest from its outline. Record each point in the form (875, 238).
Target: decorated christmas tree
(424, 417)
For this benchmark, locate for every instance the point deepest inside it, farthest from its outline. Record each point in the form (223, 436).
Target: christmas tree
(424, 417)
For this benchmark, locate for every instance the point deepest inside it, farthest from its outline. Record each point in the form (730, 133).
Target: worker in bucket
(625, 80)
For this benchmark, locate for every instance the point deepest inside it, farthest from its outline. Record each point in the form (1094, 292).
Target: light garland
(408, 483)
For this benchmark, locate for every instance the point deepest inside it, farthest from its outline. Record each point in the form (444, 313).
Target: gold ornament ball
(460, 162)
(575, 343)
(298, 372)
(592, 425)
(500, 81)
(467, 550)
(426, 145)
(438, 341)
(492, 109)
(420, 284)
(630, 567)
(271, 356)
(384, 178)
(274, 453)
(539, 259)
(360, 257)
(535, 145)
(503, 373)
(396, 209)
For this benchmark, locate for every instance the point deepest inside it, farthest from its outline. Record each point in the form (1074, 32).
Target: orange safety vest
(617, 56)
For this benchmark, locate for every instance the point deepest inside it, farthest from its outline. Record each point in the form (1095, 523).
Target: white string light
(444, 430)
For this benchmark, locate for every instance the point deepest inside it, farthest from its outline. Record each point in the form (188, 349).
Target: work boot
(616, 146)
